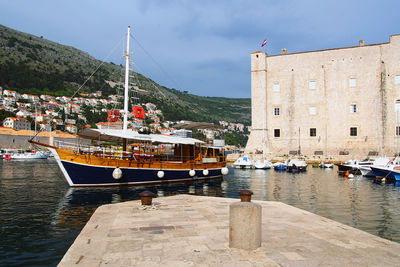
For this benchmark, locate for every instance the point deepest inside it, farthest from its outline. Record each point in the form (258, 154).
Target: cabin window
(312, 85)
(353, 108)
(277, 132)
(277, 111)
(313, 110)
(277, 87)
(397, 79)
(313, 131)
(397, 130)
(353, 131)
(353, 82)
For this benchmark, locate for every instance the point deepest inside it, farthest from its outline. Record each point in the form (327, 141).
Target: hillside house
(24, 114)
(17, 123)
(9, 101)
(150, 106)
(74, 107)
(52, 113)
(10, 93)
(70, 121)
(20, 105)
(50, 106)
(47, 98)
(32, 98)
(58, 121)
(71, 128)
(45, 127)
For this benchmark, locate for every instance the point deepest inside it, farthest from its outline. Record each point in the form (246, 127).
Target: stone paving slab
(186, 230)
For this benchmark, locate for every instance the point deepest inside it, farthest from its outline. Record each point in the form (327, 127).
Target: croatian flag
(264, 43)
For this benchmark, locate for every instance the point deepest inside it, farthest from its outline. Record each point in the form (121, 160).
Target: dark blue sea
(40, 216)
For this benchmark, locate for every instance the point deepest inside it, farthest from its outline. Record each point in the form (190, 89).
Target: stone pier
(186, 230)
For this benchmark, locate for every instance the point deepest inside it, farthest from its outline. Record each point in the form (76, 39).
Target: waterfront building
(17, 123)
(327, 102)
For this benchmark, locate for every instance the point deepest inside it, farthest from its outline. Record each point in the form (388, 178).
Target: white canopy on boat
(113, 135)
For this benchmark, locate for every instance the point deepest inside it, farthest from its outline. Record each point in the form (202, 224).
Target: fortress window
(397, 79)
(313, 110)
(353, 82)
(353, 131)
(277, 132)
(277, 87)
(312, 85)
(276, 111)
(353, 108)
(313, 131)
(397, 130)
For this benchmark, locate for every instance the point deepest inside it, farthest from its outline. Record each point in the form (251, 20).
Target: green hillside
(31, 64)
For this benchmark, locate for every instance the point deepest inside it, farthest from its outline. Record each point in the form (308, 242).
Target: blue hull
(296, 169)
(280, 167)
(90, 175)
(382, 173)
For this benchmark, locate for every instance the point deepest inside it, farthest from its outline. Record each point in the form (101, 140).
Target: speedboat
(389, 171)
(244, 162)
(263, 164)
(378, 162)
(353, 166)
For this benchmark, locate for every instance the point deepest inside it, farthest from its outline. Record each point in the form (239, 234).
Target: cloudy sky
(203, 46)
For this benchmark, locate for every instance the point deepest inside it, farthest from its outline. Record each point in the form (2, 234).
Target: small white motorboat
(244, 162)
(326, 165)
(263, 164)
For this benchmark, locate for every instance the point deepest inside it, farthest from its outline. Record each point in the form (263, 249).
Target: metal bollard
(245, 223)
(146, 197)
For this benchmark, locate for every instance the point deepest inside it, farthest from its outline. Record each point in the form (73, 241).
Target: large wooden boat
(138, 159)
(147, 159)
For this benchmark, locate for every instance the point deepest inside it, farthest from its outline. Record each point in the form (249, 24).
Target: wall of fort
(327, 102)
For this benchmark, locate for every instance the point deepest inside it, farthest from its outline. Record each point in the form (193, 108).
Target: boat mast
(127, 56)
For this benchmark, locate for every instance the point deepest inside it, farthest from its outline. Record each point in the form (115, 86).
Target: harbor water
(41, 216)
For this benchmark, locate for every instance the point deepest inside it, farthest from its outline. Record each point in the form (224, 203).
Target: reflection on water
(41, 216)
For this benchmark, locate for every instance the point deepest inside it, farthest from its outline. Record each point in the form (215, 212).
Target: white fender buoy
(224, 171)
(160, 174)
(117, 173)
(192, 173)
(351, 175)
(205, 172)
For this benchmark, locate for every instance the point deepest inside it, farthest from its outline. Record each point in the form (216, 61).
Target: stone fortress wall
(327, 102)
